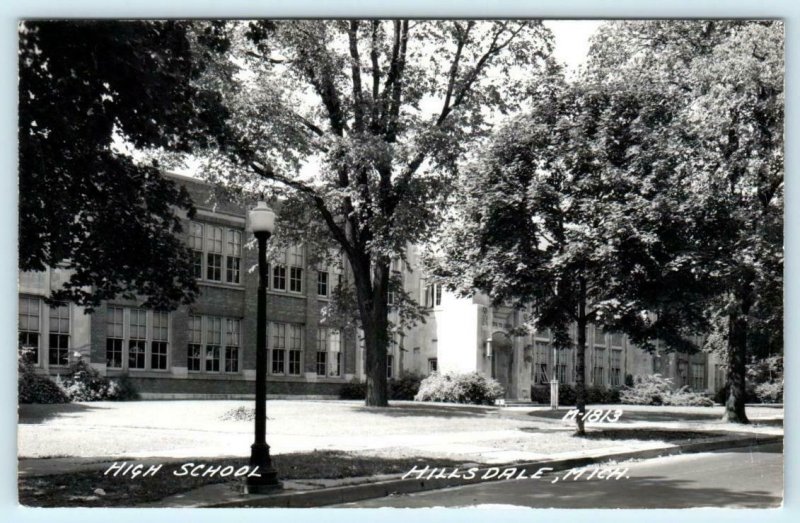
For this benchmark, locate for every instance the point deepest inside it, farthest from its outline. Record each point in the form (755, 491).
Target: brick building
(208, 348)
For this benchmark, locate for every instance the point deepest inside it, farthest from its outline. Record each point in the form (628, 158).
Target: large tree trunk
(372, 295)
(580, 361)
(737, 368)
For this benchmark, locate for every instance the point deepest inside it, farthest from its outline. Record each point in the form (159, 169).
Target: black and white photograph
(408, 263)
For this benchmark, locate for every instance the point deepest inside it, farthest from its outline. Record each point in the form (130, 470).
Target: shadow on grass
(34, 413)
(437, 411)
(79, 488)
(638, 434)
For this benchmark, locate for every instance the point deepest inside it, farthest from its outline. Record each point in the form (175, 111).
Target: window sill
(221, 285)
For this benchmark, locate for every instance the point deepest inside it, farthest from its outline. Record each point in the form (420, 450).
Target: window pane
(322, 283)
(214, 267)
(279, 277)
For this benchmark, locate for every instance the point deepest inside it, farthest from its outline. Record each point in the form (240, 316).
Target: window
(232, 330)
(29, 324)
(295, 279)
(279, 278)
(599, 371)
(214, 253)
(599, 337)
(616, 367)
(561, 370)
(58, 353)
(433, 365)
(389, 366)
(233, 260)
(395, 282)
(295, 348)
(137, 343)
(698, 376)
(329, 355)
(322, 283)
(194, 353)
(213, 343)
(541, 356)
(278, 349)
(433, 295)
(616, 339)
(160, 343)
(196, 244)
(114, 337)
(683, 372)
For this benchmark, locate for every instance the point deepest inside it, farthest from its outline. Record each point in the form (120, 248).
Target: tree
(359, 127)
(570, 216)
(728, 77)
(85, 205)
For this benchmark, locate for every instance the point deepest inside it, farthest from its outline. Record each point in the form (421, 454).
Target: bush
(36, 388)
(459, 388)
(353, 391)
(84, 383)
(405, 388)
(657, 390)
(770, 392)
(567, 395)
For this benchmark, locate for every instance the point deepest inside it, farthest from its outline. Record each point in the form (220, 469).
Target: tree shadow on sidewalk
(437, 411)
(35, 413)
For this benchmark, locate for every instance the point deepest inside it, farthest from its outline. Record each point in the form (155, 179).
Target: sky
(572, 40)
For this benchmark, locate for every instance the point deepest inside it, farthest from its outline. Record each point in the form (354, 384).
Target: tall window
(616, 339)
(234, 257)
(58, 353)
(160, 343)
(278, 349)
(599, 337)
(541, 356)
(213, 343)
(29, 324)
(433, 295)
(196, 244)
(616, 367)
(295, 259)
(389, 366)
(433, 365)
(698, 376)
(599, 371)
(322, 283)
(295, 349)
(322, 351)
(137, 344)
(336, 352)
(561, 371)
(216, 253)
(194, 352)
(114, 337)
(232, 330)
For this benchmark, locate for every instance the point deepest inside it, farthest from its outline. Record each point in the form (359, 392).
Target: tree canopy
(84, 205)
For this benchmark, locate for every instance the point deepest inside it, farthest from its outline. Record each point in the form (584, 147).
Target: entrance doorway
(503, 362)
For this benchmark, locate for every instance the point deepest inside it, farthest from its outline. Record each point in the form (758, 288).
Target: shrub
(459, 388)
(770, 392)
(37, 388)
(405, 388)
(85, 383)
(657, 390)
(567, 395)
(353, 391)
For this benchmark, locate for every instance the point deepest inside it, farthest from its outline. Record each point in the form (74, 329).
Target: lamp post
(262, 223)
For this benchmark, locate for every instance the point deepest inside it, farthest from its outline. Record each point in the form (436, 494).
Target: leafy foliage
(359, 126)
(657, 390)
(403, 388)
(567, 395)
(85, 203)
(83, 382)
(36, 388)
(452, 387)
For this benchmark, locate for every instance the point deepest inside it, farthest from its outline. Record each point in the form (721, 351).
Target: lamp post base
(266, 479)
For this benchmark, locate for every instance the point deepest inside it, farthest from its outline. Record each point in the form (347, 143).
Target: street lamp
(262, 223)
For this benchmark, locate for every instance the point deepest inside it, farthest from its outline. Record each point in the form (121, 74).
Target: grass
(79, 488)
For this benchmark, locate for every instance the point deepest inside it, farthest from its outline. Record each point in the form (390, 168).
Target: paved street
(750, 478)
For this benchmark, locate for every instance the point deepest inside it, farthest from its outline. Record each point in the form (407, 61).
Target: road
(749, 477)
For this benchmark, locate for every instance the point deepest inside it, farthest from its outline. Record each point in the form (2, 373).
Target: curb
(348, 494)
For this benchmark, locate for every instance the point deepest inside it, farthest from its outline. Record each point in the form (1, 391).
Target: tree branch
(355, 69)
(338, 233)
